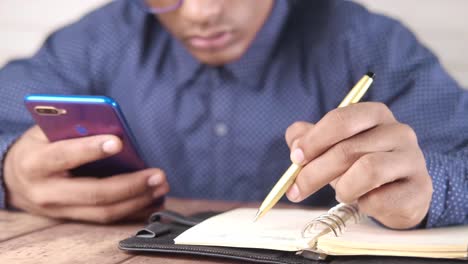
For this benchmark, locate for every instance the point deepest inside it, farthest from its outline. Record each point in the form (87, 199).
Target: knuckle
(378, 107)
(292, 130)
(95, 197)
(106, 216)
(371, 204)
(409, 216)
(26, 165)
(429, 188)
(408, 211)
(346, 152)
(363, 202)
(342, 194)
(133, 189)
(367, 166)
(381, 111)
(298, 125)
(38, 197)
(58, 157)
(341, 117)
(334, 183)
(408, 133)
(338, 115)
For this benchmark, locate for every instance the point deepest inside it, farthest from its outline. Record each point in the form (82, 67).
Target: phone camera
(49, 110)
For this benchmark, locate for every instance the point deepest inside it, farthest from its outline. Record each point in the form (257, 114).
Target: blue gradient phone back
(86, 116)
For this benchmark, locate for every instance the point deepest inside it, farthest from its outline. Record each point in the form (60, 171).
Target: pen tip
(257, 216)
(371, 75)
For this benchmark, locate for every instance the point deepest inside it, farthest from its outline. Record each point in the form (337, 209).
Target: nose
(202, 12)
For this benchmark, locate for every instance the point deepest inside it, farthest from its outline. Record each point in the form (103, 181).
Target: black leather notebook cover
(158, 237)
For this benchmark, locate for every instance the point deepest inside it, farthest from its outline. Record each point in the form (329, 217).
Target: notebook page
(368, 236)
(280, 229)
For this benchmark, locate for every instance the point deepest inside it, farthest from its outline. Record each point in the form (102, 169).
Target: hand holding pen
(367, 156)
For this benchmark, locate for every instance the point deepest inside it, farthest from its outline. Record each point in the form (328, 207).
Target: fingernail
(293, 193)
(154, 180)
(297, 156)
(110, 146)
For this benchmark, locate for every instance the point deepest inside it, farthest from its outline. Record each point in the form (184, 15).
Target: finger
(383, 138)
(102, 214)
(372, 171)
(143, 214)
(161, 190)
(96, 191)
(71, 153)
(399, 204)
(296, 130)
(327, 167)
(338, 125)
(36, 133)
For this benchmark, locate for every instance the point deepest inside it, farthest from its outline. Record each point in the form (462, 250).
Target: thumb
(71, 153)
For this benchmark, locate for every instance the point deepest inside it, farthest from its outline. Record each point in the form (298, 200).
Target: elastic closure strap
(153, 230)
(174, 217)
(156, 228)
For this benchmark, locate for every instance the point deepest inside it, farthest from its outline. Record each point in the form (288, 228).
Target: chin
(219, 58)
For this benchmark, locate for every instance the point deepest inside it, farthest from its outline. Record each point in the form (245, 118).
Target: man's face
(217, 32)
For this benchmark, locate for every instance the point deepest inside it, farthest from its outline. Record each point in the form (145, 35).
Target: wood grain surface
(31, 239)
(27, 239)
(13, 225)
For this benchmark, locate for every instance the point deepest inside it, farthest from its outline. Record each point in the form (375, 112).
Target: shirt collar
(187, 66)
(249, 68)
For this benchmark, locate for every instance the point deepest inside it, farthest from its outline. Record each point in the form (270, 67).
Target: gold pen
(291, 173)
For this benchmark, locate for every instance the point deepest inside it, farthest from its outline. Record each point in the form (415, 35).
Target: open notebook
(340, 231)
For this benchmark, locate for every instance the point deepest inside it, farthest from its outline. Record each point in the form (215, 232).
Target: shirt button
(221, 129)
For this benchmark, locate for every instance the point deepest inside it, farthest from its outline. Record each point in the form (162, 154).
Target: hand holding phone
(72, 116)
(38, 179)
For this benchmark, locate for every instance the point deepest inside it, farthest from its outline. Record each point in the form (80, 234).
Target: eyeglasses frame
(154, 10)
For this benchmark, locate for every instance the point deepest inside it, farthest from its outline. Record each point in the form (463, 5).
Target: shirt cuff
(5, 142)
(449, 175)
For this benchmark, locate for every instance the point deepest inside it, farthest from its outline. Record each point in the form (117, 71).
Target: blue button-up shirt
(218, 132)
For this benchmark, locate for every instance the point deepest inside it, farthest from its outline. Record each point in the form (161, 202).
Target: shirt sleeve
(73, 60)
(420, 93)
(5, 142)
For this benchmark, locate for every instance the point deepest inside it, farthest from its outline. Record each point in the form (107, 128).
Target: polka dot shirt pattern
(218, 132)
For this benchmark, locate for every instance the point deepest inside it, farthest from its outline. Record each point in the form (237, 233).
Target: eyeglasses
(160, 6)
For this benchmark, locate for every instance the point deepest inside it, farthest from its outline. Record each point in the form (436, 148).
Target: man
(211, 88)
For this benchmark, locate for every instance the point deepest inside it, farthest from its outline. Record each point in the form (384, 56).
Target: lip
(212, 41)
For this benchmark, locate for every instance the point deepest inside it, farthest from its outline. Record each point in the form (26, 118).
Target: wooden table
(31, 239)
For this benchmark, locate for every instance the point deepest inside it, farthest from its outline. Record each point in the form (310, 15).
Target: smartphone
(72, 116)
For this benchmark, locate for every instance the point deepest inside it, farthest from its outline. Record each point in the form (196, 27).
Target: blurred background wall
(441, 25)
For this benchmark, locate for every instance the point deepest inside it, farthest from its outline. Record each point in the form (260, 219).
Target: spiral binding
(334, 220)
